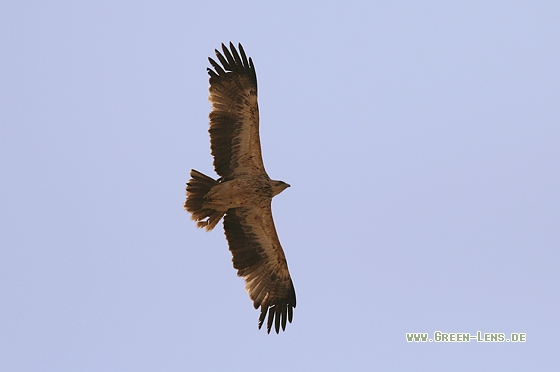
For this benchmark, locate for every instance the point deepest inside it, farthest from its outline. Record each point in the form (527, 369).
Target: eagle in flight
(243, 193)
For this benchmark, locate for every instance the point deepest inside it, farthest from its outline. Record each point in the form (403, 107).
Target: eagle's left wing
(260, 260)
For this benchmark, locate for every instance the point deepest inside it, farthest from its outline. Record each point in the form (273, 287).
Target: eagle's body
(243, 193)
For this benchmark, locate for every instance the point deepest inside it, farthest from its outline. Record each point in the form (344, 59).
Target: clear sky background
(421, 140)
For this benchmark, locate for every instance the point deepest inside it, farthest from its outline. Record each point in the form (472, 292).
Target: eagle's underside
(243, 194)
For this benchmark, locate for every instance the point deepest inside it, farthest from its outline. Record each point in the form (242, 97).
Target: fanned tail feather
(198, 186)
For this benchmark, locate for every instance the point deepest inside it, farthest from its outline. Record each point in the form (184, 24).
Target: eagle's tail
(198, 186)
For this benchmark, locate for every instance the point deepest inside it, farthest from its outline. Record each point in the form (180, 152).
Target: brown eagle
(244, 191)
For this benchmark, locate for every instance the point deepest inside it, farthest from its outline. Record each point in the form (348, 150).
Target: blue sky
(421, 140)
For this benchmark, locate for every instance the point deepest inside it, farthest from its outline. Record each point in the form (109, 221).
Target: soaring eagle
(244, 191)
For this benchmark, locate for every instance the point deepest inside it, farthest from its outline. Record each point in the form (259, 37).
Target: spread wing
(234, 119)
(260, 260)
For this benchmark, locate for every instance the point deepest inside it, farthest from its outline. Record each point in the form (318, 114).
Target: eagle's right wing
(234, 119)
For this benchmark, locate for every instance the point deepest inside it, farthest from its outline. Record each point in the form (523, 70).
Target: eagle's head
(278, 187)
